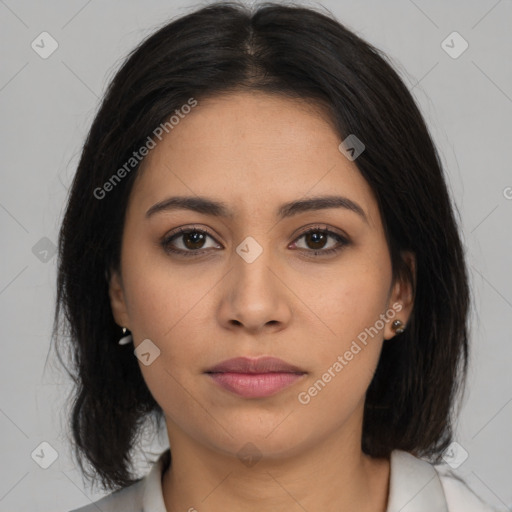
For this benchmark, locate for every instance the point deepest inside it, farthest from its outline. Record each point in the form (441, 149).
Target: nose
(255, 296)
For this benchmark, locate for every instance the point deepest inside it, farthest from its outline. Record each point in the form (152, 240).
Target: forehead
(253, 150)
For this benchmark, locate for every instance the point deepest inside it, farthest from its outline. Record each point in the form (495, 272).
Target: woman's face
(248, 284)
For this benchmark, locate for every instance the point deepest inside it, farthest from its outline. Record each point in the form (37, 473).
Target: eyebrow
(215, 208)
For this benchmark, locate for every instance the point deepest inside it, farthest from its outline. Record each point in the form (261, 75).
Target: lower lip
(255, 385)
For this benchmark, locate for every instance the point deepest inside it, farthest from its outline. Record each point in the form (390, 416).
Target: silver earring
(125, 339)
(398, 327)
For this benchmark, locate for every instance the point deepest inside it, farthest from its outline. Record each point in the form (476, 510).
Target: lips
(251, 366)
(255, 378)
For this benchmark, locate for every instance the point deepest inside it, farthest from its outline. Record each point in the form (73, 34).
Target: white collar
(414, 485)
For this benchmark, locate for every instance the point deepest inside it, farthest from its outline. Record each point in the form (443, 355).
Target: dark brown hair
(301, 53)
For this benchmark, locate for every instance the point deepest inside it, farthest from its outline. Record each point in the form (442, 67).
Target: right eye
(192, 241)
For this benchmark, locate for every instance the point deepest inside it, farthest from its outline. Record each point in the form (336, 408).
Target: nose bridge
(253, 265)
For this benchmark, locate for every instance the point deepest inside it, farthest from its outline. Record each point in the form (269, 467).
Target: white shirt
(414, 486)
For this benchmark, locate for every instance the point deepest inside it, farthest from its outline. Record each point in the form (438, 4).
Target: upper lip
(264, 364)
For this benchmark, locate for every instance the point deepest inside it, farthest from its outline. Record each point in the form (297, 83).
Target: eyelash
(166, 241)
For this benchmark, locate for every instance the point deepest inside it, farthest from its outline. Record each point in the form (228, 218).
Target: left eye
(192, 240)
(318, 238)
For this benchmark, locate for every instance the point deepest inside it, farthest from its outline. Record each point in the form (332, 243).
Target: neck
(335, 476)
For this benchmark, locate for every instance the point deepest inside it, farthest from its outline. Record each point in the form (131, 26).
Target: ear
(117, 300)
(402, 296)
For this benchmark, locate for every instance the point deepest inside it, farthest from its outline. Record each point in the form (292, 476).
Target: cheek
(156, 297)
(352, 296)
(161, 308)
(350, 308)
(169, 306)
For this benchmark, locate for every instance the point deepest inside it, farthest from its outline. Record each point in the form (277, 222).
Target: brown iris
(316, 237)
(191, 239)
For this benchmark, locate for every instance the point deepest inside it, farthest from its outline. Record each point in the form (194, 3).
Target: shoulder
(459, 497)
(145, 495)
(128, 499)
(419, 486)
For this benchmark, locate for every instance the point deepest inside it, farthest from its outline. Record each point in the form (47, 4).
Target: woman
(260, 253)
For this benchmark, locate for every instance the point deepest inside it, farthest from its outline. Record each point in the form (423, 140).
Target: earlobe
(117, 299)
(402, 299)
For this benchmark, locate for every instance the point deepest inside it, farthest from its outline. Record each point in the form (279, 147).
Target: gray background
(47, 106)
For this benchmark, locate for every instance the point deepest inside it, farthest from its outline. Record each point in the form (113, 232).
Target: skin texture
(255, 151)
